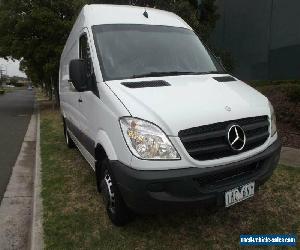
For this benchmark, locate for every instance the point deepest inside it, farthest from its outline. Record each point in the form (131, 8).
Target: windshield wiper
(168, 73)
(210, 72)
(175, 73)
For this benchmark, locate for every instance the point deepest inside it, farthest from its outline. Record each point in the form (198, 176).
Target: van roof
(97, 14)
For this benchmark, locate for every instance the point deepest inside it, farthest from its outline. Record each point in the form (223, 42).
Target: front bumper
(162, 190)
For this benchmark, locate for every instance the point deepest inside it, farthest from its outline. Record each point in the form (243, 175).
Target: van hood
(190, 101)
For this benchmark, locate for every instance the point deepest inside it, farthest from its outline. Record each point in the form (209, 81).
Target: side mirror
(78, 71)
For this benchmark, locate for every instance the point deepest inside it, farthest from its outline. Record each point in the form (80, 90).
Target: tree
(2, 79)
(35, 31)
(189, 10)
(13, 81)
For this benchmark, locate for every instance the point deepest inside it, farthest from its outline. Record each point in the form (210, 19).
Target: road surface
(15, 112)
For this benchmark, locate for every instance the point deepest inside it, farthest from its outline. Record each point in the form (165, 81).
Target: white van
(157, 117)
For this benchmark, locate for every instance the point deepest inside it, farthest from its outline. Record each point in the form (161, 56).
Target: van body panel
(97, 117)
(188, 100)
(96, 14)
(164, 191)
(103, 139)
(168, 107)
(187, 161)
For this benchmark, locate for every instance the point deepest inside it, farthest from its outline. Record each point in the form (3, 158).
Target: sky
(11, 67)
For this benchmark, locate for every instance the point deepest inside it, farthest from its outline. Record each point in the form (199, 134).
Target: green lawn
(74, 216)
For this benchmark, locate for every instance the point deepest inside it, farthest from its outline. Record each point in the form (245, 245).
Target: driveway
(15, 112)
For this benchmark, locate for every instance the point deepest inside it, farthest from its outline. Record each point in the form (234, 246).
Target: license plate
(239, 194)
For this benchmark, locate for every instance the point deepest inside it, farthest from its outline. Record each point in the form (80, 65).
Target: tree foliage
(13, 81)
(35, 31)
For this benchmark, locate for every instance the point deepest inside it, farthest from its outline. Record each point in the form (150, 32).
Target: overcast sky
(11, 67)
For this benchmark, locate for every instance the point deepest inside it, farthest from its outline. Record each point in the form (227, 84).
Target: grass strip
(74, 216)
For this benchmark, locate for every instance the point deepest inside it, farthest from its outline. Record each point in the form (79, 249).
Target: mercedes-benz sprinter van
(157, 117)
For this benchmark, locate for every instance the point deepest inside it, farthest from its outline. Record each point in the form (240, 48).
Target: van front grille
(210, 142)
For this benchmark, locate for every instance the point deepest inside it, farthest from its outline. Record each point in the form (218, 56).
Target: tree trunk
(49, 91)
(56, 92)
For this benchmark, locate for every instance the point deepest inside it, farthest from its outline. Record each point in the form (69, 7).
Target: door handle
(80, 100)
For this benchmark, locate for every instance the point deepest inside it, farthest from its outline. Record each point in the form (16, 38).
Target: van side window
(84, 49)
(85, 53)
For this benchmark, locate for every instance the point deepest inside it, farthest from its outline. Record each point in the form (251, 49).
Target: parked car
(157, 117)
(9, 86)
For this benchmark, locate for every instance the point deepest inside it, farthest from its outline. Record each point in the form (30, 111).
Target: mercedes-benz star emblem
(236, 138)
(227, 108)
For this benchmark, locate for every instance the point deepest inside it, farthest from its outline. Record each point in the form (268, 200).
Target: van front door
(87, 102)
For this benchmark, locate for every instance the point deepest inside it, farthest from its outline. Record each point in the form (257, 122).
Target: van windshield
(132, 51)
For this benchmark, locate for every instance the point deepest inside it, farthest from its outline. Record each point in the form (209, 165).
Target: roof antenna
(145, 12)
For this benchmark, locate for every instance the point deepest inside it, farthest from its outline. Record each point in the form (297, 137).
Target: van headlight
(273, 120)
(146, 140)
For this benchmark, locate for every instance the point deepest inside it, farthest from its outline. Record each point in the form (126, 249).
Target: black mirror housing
(78, 71)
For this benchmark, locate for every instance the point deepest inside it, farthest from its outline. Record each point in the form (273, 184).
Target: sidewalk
(290, 157)
(17, 204)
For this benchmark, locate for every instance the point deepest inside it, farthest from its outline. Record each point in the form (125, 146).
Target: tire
(70, 143)
(99, 175)
(116, 209)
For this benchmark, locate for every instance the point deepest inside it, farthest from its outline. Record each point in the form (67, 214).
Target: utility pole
(2, 73)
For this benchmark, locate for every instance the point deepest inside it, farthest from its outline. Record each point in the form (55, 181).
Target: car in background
(8, 86)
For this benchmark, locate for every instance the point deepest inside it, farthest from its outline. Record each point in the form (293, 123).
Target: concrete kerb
(16, 205)
(36, 241)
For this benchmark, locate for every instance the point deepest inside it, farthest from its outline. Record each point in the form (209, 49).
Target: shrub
(293, 93)
(2, 91)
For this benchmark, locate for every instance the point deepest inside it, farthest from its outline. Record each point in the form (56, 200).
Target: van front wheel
(117, 211)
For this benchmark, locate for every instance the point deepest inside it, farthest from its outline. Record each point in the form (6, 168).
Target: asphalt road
(15, 113)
